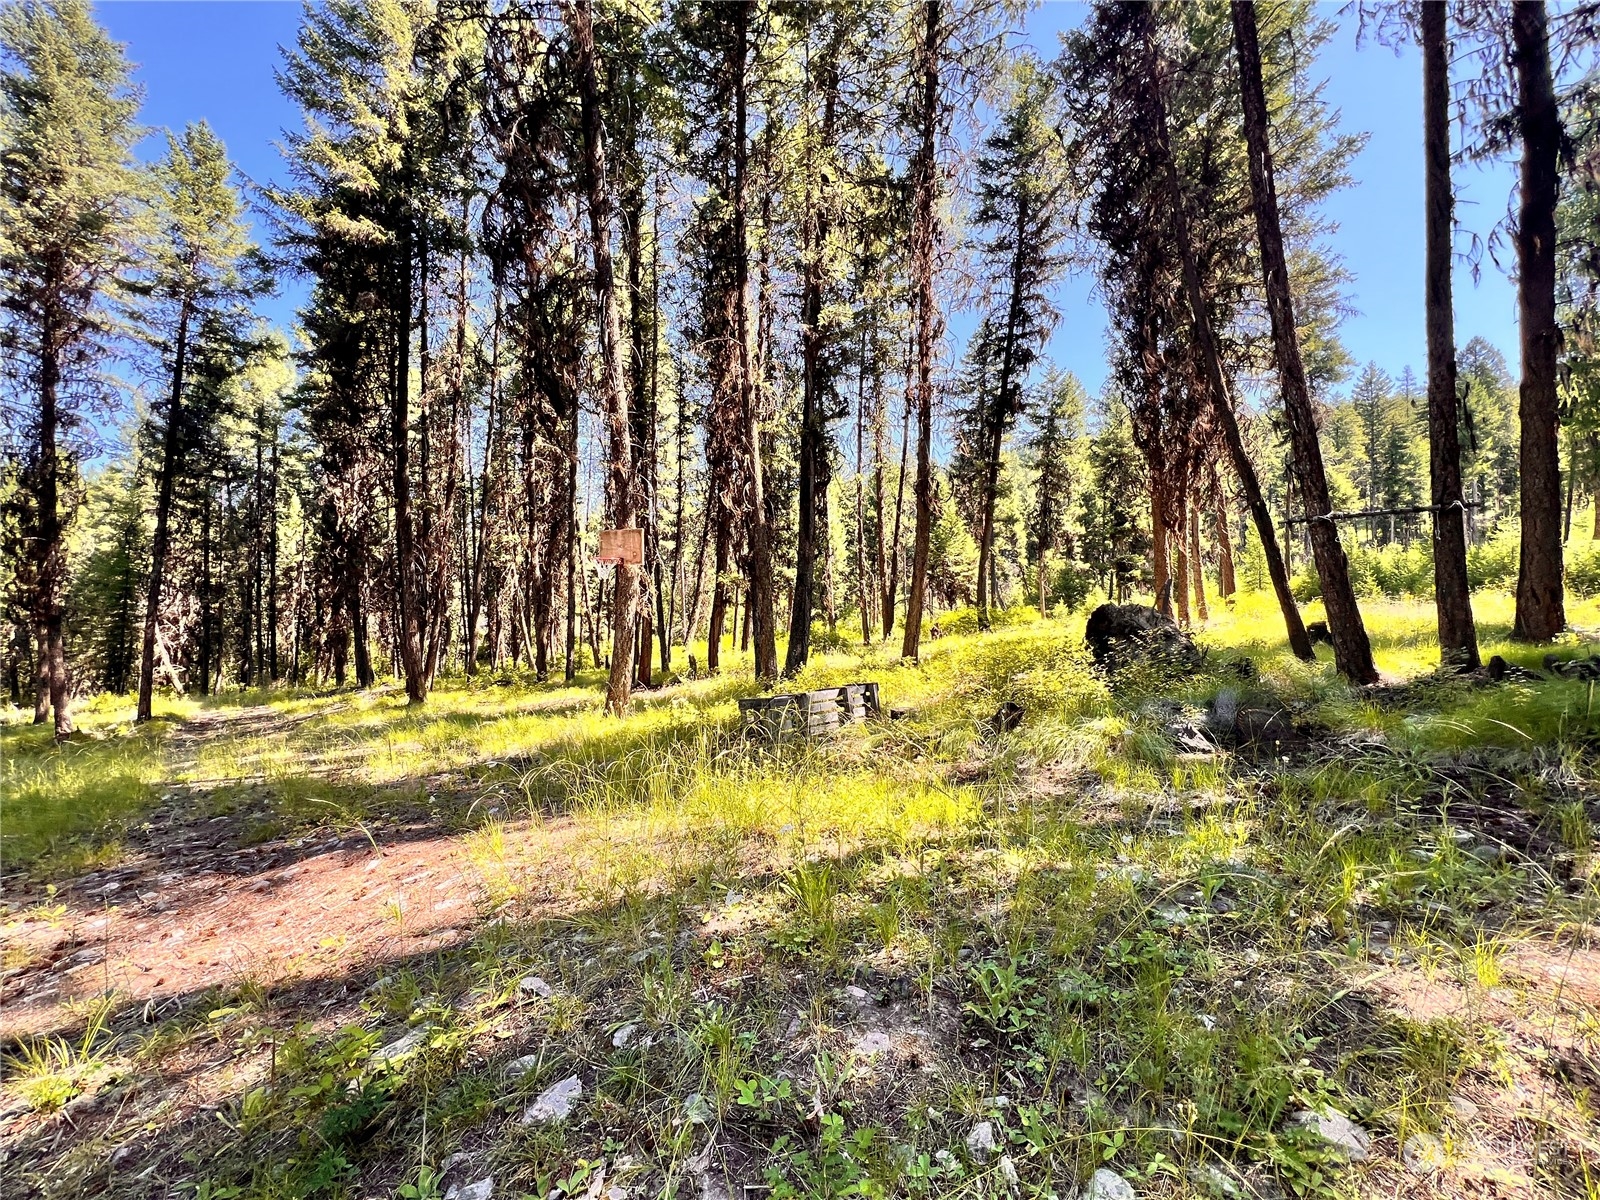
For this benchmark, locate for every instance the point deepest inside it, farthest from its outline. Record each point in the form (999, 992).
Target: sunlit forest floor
(317, 944)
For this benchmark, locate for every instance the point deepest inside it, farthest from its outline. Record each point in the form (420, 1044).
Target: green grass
(1154, 958)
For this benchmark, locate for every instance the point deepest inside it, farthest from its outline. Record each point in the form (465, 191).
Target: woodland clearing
(297, 944)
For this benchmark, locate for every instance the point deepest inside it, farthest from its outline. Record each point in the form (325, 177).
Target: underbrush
(825, 969)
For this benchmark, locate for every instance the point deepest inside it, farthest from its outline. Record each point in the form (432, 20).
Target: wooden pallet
(808, 714)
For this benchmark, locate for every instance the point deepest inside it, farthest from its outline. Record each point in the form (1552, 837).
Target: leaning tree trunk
(614, 391)
(160, 542)
(1351, 650)
(925, 216)
(1458, 638)
(1541, 612)
(1217, 384)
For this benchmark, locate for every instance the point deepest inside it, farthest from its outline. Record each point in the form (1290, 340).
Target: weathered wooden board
(621, 545)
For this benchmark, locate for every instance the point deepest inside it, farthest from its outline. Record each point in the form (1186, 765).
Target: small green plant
(428, 1185)
(1004, 996)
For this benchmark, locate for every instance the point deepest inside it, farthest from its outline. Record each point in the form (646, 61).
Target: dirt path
(191, 908)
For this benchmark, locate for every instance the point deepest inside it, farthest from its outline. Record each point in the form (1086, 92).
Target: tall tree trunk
(570, 667)
(1178, 552)
(863, 583)
(759, 603)
(1541, 609)
(410, 630)
(614, 391)
(1197, 575)
(719, 585)
(1002, 415)
(1226, 583)
(161, 541)
(813, 429)
(1160, 567)
(49, 550)
(1458, 637)
(892, 577)
(1351, 651)
(925, 180)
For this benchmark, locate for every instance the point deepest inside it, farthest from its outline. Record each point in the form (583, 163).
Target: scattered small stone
(1489, 855)
(1108, 1185)
(534, 986)
(121, 1154)
(871, 1044)
(1463, 1108)
(483, 1189)
(455, 1162)
(696, 1109)
(402, 1046)
(980, 1142)
(555, 1103)
(625, 1035)
(858, 994)
(518, 1067)
(1008, 1171)
(1338, 1131)
(1422, 1153)
(1216, 1182)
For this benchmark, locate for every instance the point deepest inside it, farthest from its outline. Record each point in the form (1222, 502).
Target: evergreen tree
(67, 185)
(202, 273)
(1020, 208)
(1057, 420)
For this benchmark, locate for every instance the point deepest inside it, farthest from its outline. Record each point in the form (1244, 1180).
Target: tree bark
(759, 603)
(1351, 650)
(1197, 575)
(410, 631)
(925, 179)
(1458, 637)
(614, 391)
(1541, 611)
(49, 549)
(161, 540)
(1160, 568)
(1226, 583)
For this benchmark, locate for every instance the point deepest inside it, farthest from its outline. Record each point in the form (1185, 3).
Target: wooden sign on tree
(621, 546)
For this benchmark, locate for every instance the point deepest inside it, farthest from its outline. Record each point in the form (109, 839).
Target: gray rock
(481, 1190)
(1488, 855)
(535, 987)
(402, 1047)
(980, 1142)
(1008, 1172)
(697, 1109)
(625, 1035)
(455, 1162)
(1224, 713)
(1108, 1185)
(1214, 1181)
(871, 1044)
(1121, 634)
(518, 1067)
(1422, 1153)
(1338, 1131)
(555, 1103)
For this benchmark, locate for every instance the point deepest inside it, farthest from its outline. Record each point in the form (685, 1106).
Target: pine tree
(201, 276)
(67, 186)
(1057, 420)
(1022, 198)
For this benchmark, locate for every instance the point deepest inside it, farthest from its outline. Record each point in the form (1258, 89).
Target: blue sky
(215, 60)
